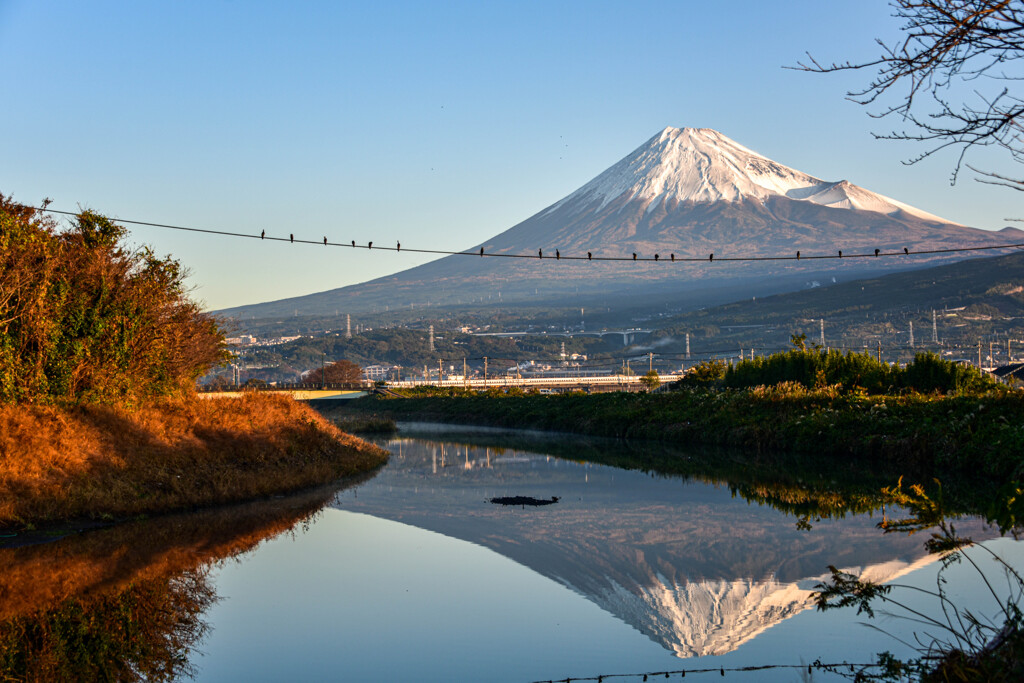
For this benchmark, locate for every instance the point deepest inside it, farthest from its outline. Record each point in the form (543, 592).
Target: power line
(711, 258)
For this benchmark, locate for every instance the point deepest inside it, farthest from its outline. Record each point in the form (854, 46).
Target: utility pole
(440, 370)
(485, 368)
(878, 354)
(991, 355)
(650, 361)
(426, 375)
(465, 377)
(979, 355)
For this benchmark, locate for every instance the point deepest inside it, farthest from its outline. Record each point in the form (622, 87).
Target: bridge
(628, 336)
(309, 392)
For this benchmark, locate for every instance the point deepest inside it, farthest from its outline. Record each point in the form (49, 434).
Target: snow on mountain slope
(702, 165)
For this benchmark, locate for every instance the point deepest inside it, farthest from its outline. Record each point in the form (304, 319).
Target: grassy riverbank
(109, 462)
(981, 434)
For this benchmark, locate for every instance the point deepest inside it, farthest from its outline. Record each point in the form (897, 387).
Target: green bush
(83, 318)
(927, 373)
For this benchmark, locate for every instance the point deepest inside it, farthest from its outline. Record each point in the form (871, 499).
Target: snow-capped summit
(685, 194)
(702, 165)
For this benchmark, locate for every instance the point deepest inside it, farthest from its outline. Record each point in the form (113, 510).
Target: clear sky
(435, 123)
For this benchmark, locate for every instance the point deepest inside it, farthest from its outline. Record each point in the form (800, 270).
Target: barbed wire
(558, 256)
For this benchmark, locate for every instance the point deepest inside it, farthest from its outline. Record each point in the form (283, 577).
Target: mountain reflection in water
(126, 603)
(693, 566)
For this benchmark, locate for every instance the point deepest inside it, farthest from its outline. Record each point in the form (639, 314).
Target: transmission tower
(348, 326)
(431, 338)
(822, 332)
(935, 329)
(911, 334)
(687, 346)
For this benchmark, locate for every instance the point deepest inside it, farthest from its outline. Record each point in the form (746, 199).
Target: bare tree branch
(954, 76)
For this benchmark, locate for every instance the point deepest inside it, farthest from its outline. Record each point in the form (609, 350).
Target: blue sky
(437, 124)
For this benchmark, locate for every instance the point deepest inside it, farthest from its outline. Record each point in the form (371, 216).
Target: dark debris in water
(524, 501)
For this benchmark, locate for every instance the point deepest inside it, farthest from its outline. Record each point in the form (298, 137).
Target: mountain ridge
(685, 192)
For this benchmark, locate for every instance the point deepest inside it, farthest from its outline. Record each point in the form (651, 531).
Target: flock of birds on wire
(672, 258)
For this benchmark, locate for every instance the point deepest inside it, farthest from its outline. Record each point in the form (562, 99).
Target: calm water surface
(415, 574)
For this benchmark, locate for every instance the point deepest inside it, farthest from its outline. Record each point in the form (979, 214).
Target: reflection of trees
(126, 603)
(143, 632)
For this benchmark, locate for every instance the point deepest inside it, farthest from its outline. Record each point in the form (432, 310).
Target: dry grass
(104, 461)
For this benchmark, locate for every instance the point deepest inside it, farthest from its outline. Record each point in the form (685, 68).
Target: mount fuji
(687, 192)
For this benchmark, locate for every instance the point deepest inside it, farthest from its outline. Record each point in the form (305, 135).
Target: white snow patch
(702, 165)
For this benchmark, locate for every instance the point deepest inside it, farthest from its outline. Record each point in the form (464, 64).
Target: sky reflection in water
(416, 576)
(413, 574)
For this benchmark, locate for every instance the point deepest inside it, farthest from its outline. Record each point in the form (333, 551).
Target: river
(416, 574)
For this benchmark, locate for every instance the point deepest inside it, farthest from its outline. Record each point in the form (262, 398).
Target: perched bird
(398, 246)
(905, 250)
(655, 257)
(876, 252)
(263, 233)
(370, 245)
(325, 240)
(589, 256)
(481, 251)
(840, 253)
(634, 256)
(797, 255)
(540, 253)
(353, 243)
(557, 255)
(711, 257)
(291, 237)
(673, 257)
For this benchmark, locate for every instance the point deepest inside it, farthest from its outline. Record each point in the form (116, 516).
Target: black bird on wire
(711, 257)
(398, 246)
(263, 233)
(673, 257)
(634, 256)
(840, 253)
(291, 237)
(655, 257)
(370, 245)
(481, 251)
(797, 255)
(557, 255)
(906, 251)
(540, 253)
(353, 244)
(589, 256)
(876, 252)
(325, 240)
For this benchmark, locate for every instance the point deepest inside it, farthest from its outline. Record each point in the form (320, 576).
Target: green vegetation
(972, 435)
(84, 319)
(927, 373)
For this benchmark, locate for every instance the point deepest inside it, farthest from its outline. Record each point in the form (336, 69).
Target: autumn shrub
(84, 318)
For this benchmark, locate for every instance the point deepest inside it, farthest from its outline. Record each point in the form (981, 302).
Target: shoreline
(971, 436)
(94, 464)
